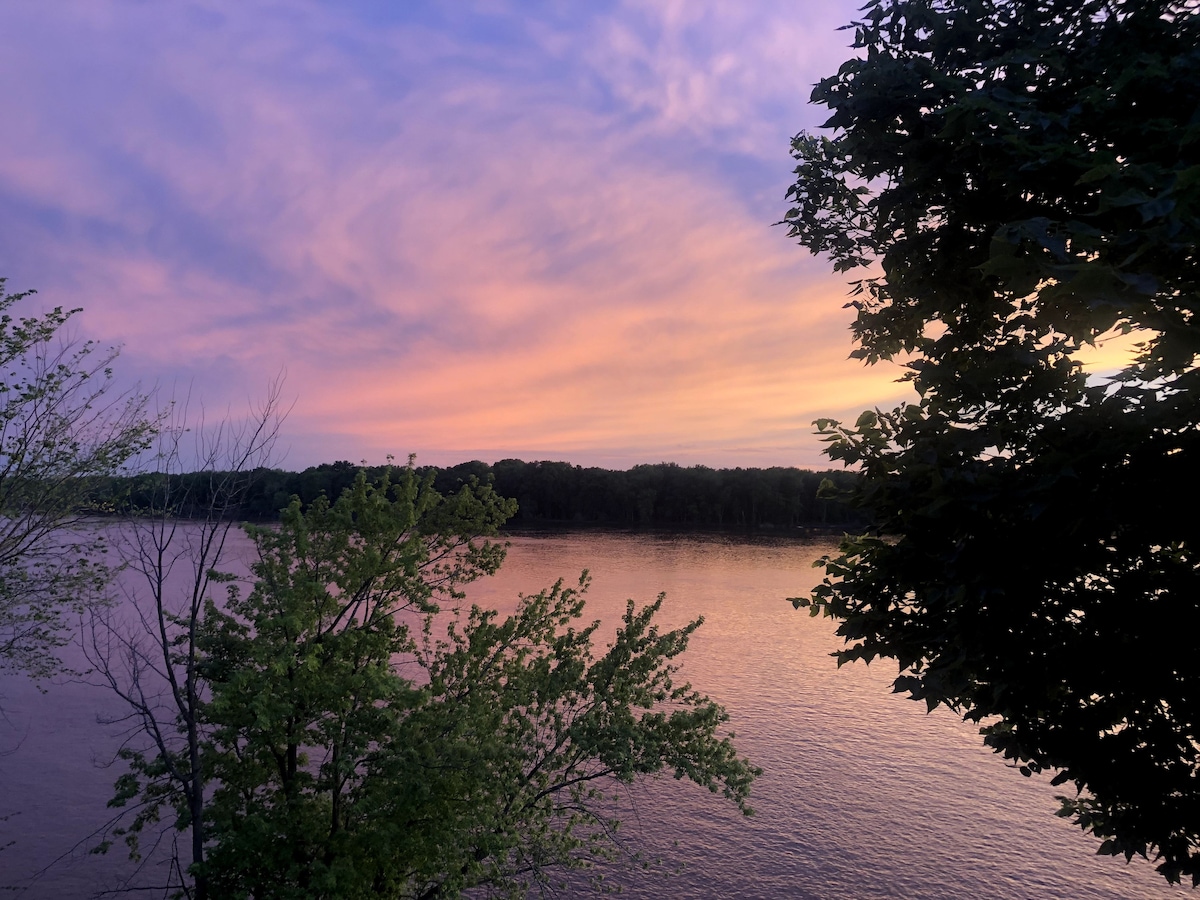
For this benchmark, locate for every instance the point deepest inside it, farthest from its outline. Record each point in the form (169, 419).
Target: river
(863, 794)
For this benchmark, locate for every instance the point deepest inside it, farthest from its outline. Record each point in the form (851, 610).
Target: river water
(863, 795)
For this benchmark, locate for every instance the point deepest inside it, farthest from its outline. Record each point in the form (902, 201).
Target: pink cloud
(554, 240)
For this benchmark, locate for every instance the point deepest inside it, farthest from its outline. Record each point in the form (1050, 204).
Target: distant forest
(664, 495)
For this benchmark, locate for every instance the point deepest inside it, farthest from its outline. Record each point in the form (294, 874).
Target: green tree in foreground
(365, 740)
(62, 431)
(1023, 179)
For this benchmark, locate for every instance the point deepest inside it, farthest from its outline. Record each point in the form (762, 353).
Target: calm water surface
(863, 795)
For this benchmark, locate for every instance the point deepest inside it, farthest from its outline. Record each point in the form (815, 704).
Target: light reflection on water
(863, 795)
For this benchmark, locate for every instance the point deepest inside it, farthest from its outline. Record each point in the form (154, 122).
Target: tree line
(664, 495)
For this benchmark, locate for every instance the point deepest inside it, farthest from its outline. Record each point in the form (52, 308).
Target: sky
(468, 230)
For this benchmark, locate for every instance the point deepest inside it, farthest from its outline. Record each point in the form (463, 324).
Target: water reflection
(863, 794)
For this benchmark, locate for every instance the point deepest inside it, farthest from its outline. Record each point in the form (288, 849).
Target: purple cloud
(488, 229)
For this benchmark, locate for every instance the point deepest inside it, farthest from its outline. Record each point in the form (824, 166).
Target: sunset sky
(465, 230)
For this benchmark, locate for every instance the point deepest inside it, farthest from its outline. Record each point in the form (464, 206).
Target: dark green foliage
(663, 495)
(1026, 175)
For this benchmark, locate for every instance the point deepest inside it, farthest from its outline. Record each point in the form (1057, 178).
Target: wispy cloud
(495, 229)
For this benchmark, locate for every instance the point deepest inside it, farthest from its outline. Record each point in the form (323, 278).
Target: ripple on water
(863, 795)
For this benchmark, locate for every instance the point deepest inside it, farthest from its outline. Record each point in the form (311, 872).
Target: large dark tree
(1018, 180)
